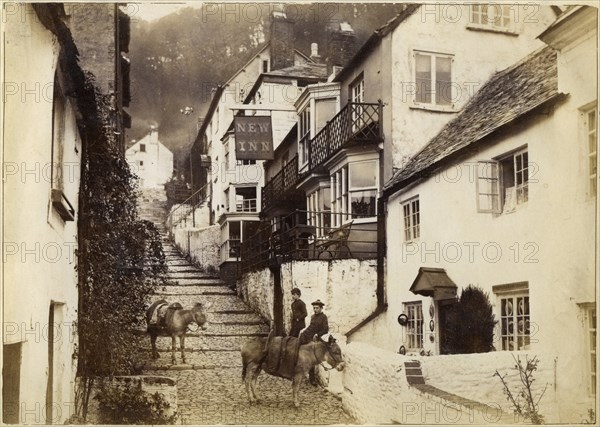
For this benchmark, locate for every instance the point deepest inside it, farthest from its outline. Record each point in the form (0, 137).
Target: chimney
(282, 41)
(314, 52)
(341, 45)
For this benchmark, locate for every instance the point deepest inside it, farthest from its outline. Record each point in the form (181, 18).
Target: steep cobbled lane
(209, 386)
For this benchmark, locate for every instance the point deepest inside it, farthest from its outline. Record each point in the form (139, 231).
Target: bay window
(354, 191)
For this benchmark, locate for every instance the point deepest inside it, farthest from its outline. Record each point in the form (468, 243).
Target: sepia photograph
(299, 213)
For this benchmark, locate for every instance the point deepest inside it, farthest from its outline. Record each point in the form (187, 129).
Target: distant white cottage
(150, 160)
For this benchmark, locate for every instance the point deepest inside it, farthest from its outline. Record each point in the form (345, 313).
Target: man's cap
(318, 302)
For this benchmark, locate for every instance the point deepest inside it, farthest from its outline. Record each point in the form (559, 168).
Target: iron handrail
(186, 207)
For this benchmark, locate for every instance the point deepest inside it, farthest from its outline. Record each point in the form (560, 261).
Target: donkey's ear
(331, 339)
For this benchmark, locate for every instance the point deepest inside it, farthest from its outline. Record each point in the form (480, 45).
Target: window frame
(356, 94)
(317, 215)
(142, 148)
(497, 184)
(506, 12)
(304, 134)
(514, 293)
(341, 194)
(591, 156)
(414, 338)
(433, 104)
(411, 219)
(251, 203)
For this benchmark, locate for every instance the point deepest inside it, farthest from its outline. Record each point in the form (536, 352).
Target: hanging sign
(253, 138)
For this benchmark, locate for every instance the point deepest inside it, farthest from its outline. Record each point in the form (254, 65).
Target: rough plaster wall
(204, 246)
(375, 389)
(478, 383)
(256, 289)
(375, 385)
(201, 244)
(347, 287)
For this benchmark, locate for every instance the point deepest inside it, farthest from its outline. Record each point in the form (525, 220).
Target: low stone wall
(200, 244)
(347, 287)
(375, 388)
(472, 376)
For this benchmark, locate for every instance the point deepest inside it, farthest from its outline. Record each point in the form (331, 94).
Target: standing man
(298, 313)
(318, 326)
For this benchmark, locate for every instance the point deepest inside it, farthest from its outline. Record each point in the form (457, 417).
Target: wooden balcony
(282, 187)
(358, 123)
(308, 235)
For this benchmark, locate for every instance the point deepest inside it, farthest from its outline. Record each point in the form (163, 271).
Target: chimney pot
(314, 49)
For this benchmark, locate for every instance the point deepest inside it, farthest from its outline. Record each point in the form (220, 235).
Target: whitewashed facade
(151, 161)
(42, 160)
(529, 245)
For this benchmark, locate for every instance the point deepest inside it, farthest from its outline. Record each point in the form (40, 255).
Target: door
(444, 308)
(11, 382)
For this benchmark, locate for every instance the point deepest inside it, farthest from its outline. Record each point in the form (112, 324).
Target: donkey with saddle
(172, 320)
(285, 357)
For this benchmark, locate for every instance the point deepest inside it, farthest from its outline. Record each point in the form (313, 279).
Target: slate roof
(506, 96)
(303, 71)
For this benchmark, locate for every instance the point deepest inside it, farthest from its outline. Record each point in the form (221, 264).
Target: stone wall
(256, 289)
(347, 287)
(200, 244)
(375, 388)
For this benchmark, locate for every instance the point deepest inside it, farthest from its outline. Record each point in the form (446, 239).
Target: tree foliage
(130, 404)
(179, 59)
(470, 323)
(120, 257)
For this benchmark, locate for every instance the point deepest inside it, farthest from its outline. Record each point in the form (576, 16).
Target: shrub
(525, 402)
(130, 404)
(470, 323)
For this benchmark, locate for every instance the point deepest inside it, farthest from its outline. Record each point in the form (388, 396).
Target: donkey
(254, 354)
(175, 325)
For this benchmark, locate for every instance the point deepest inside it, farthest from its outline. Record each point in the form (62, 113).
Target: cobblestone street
(209, 386)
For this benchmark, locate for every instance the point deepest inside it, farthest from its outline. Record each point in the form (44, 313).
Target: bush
(470, 323)
(129, 404)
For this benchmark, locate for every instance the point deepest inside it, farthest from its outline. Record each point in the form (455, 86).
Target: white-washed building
(504, 198)
(42, 161)
(150, 160)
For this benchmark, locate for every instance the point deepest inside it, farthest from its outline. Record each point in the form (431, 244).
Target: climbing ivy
(120, 257)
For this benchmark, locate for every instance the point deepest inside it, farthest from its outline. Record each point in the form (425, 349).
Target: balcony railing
(246, 205)
(306, 235)
(356, 123)
(281, 185)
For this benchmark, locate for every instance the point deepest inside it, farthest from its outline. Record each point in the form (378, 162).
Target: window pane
(363, 175)
(423, 78)
(363, 203)
(443, 89)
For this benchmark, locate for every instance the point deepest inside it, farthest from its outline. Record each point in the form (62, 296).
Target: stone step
(219, 302)
(197, 294)
(190, 274)
(197, 281)
(200, 280)
(205, 341)
(174, 288)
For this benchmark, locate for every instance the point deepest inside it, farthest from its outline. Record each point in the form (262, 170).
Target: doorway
(444, 308)
(11, 382)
